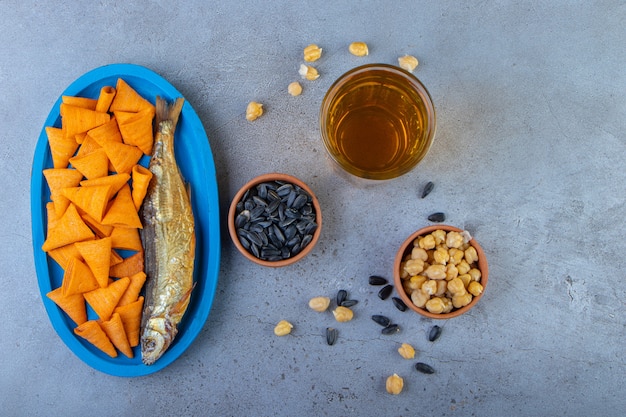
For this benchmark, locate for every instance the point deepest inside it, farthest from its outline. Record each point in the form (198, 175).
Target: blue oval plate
(195, 160)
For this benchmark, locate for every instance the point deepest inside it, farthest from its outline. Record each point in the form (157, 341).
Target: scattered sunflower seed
(331, 335)
(390, 329)
(400, 305)
(341, 296)
(385, 292)
(427, 188)
(434, 333)
(424, 368)
(376, 280)
(349, 303)
(382, 320)
(437, 217)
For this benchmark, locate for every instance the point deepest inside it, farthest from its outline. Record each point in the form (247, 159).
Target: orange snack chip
(114, 329)
(93, 333)
(72, 305)
(104, 300)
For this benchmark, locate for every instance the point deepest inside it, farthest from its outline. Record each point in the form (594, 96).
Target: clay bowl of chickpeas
(440, 272)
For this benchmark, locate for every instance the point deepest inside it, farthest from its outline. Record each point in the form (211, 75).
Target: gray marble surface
(528, 156)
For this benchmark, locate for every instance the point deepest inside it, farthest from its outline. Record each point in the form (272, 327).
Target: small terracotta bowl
(263, 254)
(406, 249)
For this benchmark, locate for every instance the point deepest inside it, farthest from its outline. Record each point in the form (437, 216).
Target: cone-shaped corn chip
(59, 178)
(76, 120)
(91, 200)
(101, 230)
(64, 254)
(114, 329)
(122, 156)
(88, 145)
(84, 102)
(93, 333)
(134, 288)
(108, 132)
(127, 99)
(104, 300)
(126, 238)
(105, 98)
(68, 229)
(92, 165)
(78, 278)
(131, 317)
(72, 305)
(117, 181)
(122, 211)
(137, 129)
(97, 255)
(141, 179)
(61, 147)
(128, 267)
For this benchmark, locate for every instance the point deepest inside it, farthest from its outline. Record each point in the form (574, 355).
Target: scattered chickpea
(429, 287)
(308, 72)
(459, 301)
(475, 274)
(454, 239)
(406, 351)
(463, 267)
(283, 328)
(254, 110)
(419, 298)
(414, 266)
(435, 272)
(471, 255)
(456, 286)
(451, 272)
(319, 304)
(295, 89)
(435, 305)
(408, 62)
(343, 314)
(456, 256)
(419, 253)
(358, 49)
(394, 384)
(427, 242)
(441, 256)
(475, 288)
(312, 53)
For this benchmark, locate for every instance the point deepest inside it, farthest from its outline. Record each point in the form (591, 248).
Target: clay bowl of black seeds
(275, 220)
(402, 283)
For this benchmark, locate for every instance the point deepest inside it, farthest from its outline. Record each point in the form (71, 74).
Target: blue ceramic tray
(195, 160)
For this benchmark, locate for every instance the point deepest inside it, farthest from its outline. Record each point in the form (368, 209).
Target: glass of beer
(377, 121)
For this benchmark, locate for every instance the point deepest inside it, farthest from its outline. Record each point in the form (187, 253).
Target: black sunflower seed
(434, 333)
(349, 303)
(376, 280)
(427, 188)
(341, 296)
(385, 292)
(399, 303)
(424, 368)
(390, 329)
(382, 320)
(331, 335)
(437, 217)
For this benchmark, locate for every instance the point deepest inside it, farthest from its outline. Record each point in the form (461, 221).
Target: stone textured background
(529, 157)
